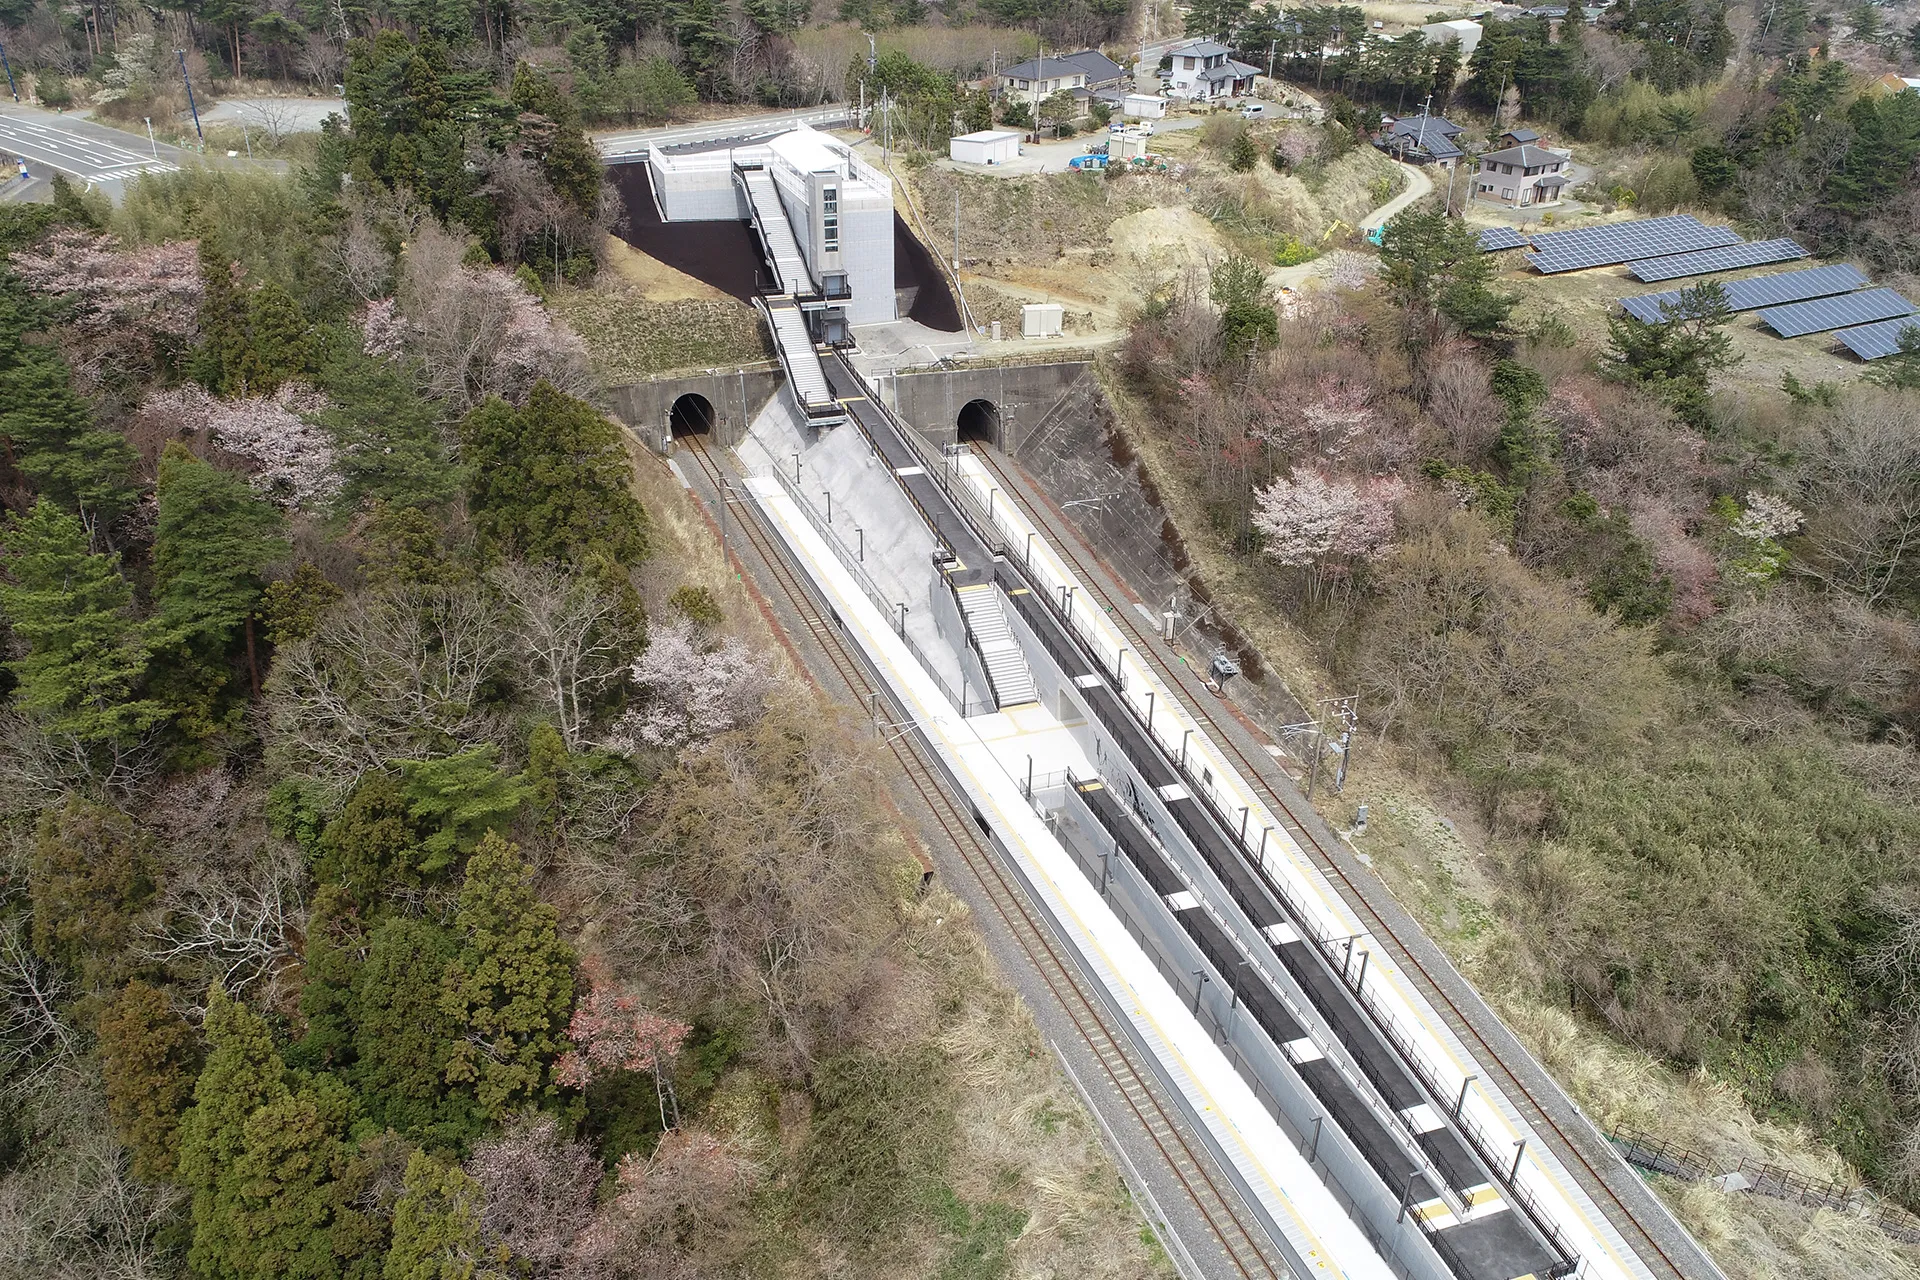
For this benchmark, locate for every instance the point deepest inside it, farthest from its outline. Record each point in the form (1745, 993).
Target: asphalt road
(100, 157)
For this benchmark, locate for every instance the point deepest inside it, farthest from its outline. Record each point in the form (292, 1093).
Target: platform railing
(891, 610)
(1003, 539)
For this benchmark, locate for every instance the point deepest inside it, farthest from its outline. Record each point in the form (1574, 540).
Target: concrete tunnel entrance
(980, 421)
(691, 415)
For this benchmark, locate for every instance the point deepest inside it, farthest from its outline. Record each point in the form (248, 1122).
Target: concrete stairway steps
(1006, 666)
(770, 216)
(801, 360)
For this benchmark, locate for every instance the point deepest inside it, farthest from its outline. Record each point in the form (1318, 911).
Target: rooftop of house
(1229, 70)
(1518, 136)
(1201, 49)
(1526, 155)
(1424, 125)
(1097, 67)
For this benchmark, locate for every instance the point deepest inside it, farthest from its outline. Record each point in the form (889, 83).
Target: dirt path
(1418, 185)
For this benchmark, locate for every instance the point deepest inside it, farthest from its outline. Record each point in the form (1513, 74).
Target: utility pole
(151, 144)
(191, 106)
(956, 231)
(9, 66)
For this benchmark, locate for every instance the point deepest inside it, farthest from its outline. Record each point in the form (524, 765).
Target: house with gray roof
(1421, 139)
(1522, 176)
(1205, 70)
(1079, 73)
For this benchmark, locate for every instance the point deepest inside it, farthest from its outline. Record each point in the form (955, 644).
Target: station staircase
(1008, 674)
(781, 307)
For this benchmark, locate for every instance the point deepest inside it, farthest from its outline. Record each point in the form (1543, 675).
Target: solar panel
(1872, 341)
(1758, 291)
(1835, 313)
(1493, 239)
(1624, 242)
(1727, 258)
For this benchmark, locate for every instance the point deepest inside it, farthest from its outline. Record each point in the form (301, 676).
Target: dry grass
(632, 336)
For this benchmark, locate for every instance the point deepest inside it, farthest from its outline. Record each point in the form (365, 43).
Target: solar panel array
(1759, 291)
(1726, 258)
(1493, 239)
(1624, 242)
(1800, 318)
(1872, 341)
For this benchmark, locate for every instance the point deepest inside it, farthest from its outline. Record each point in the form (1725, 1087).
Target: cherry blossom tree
(1326, 527)
(385, 330)
(127, 306)
(691, 692)
(613, 1032)
(290, 459)
(479, 333)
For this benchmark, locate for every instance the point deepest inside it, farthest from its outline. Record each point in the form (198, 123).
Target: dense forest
(410, 866)
(1657, 632)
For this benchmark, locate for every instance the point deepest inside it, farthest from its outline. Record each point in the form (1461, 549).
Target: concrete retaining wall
(737, 398)
(930, 400)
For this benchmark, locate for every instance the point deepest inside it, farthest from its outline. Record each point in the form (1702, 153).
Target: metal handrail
(888, 609)
(1382, 1019)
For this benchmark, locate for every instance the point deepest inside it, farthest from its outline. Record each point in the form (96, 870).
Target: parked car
(1254, 110)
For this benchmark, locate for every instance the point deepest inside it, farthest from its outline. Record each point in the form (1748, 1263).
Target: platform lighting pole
(1261, 856)
(1243, 826)
(1106, 860)
(1514, 1173)
(1461, 1101)
(1360, 983)
(1313, 1152)
(1199, 989)
(829, 494)
(1149, 713)
(796, 468)
(1184, 735)
(1030, 548)
(863, 543)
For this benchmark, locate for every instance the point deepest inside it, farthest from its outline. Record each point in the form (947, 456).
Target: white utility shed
(989, 146)
(1144, 106)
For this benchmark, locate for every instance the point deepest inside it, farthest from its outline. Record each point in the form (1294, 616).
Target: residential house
(1084, 72)
(1522, 176)
(1205, 70)
(1518, 137)
(1893, 83)
(1421, 139)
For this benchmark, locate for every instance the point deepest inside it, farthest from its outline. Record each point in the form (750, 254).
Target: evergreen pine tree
(218, 362)
(276, 350)
(214, 540)
(550, 481)
(510, 989)
(292, 1156)
(55, 444)
(243, 1074)
(147, 1057)
(86, 655)
(436, 1226)
(403, 1038)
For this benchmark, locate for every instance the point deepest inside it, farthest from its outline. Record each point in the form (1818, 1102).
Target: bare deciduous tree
(539, 1193)
(1860, 479)
(388, 676)
(240, 925)
(570, 636)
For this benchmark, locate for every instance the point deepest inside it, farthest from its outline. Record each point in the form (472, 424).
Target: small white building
(1128, 144)
(989, 146)
(1144, 106)
(1462, 31)
(1041, 319)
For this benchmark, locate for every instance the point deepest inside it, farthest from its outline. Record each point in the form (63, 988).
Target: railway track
(1218, 1206)
(1538, 1113)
